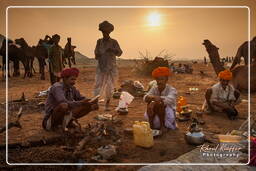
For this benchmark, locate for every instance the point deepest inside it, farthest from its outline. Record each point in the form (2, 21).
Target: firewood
(13, 124)
(81, 145)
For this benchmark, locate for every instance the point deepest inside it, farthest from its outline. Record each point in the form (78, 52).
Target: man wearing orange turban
(222, 97)
(65, 103)
(161, 99)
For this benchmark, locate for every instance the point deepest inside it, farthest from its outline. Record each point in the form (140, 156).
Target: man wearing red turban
(161, 99)
(65, 103)
(222, 97)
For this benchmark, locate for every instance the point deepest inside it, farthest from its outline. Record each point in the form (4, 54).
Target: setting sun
(154, 19)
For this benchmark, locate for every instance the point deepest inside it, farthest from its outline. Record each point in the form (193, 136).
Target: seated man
(65, 103)
(222, 97)
(161, 100)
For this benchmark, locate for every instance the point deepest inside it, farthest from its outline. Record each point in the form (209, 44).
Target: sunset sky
(179, 31)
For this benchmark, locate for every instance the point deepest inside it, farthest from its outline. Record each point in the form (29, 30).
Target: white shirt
(169, 95)
(221, 95)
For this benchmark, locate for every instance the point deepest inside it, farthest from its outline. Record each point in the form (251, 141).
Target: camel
(243, 52)
(240, 73)
(41, 54)
(15, 55)
(29, 53)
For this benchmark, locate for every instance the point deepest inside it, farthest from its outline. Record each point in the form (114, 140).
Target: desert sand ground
(166, 148)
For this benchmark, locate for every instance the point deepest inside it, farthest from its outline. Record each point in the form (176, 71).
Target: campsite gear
(156, 132)
(199, 116)
(181, 102)
(195, 136)
(107, 152)
(128, 131)
(135, 88)
(142, 134)
(122, 111)
(236, 132)
(151, 84)
(193, 89)
(105, 117)
(116, 95)
(185, 114)
(125, 99)
(229, 138)
(138, 85)
(44, 93)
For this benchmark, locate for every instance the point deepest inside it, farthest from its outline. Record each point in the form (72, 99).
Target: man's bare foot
(107, 105)
(163, 130)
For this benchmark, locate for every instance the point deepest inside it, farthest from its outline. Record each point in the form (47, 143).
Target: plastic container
(142, 134)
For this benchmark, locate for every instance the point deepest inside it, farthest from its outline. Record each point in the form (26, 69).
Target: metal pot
(195, 138)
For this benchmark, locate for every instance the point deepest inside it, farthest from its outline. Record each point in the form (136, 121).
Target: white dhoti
(169, 119)
(104, 83)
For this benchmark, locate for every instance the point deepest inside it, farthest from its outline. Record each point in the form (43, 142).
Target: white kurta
(169, 95)
(222, 95)
(106, 70)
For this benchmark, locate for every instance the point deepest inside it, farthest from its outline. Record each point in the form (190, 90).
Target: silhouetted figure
(105, 52)
(205, 61)
(55, 59)
(69, 52)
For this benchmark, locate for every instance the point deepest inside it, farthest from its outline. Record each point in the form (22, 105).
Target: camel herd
(20, 52)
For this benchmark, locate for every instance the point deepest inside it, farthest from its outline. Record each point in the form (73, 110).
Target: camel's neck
(215, 60)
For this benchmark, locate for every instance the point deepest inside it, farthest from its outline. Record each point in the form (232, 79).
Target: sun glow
(154, 19)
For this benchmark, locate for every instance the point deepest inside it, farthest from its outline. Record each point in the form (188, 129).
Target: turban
(225, 75)
(161, 71)
(69, 72)
(105, 26)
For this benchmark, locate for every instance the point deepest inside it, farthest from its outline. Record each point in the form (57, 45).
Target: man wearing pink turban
(64, 103)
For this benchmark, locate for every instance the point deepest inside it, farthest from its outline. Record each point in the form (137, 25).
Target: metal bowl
(195, 138)
(187, 113)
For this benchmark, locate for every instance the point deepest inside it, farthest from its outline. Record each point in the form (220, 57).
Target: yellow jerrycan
(142, 134)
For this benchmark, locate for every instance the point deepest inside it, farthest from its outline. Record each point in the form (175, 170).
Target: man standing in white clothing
(105, 52)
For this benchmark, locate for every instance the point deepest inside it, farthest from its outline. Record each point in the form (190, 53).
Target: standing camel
(41, 54)
(29, 53)
(15, 55)
(240, 73)
(243, 52)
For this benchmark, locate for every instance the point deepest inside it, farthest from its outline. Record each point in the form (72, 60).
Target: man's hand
(111, 50)
(154, 98)
(232, 103)
(158, 99)
(94, 106)
(86, 101)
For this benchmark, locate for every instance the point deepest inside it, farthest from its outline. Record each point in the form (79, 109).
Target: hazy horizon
(179, 31)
